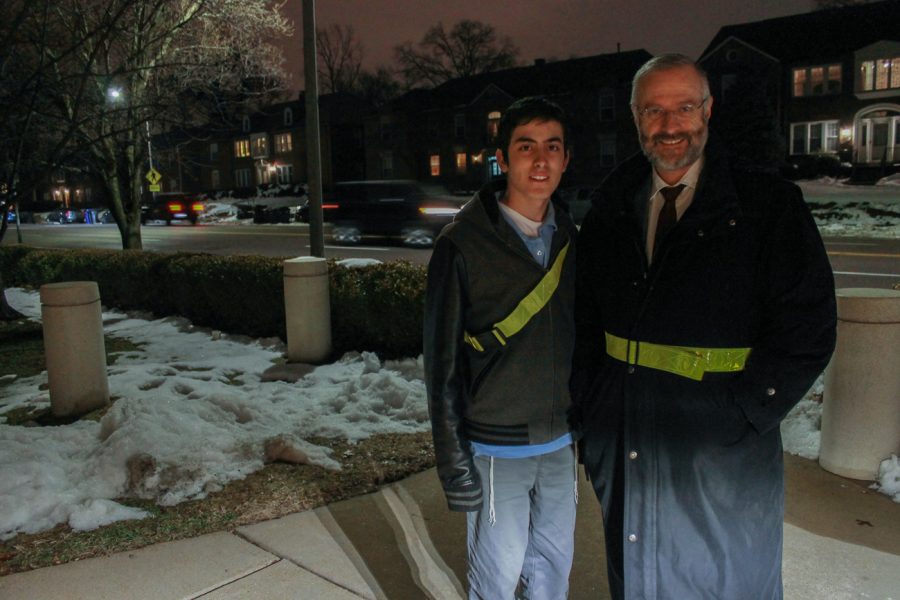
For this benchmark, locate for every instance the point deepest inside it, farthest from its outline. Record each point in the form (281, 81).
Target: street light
(114, 93)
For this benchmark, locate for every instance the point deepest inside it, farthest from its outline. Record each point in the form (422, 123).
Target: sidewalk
(400, 543)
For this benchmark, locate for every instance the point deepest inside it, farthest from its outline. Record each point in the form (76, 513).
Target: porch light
(846, 134)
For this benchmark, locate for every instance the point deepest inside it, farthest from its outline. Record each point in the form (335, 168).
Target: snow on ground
(192, 414)
(854, 210)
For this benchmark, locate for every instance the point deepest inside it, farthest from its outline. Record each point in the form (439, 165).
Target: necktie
(667, 215)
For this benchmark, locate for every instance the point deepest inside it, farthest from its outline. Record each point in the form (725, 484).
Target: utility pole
(313, 148)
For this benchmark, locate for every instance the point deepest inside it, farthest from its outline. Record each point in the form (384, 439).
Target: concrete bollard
(861, 410)
(74, 347)
(307, 309)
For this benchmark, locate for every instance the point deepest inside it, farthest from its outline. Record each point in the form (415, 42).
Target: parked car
(172, 206)
(399, 209)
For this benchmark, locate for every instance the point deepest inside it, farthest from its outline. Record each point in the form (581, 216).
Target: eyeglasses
(655, 113)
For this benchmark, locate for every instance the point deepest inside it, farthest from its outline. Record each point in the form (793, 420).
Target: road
(857, 262)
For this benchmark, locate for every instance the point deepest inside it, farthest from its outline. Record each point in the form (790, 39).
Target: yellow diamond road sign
(153, 176)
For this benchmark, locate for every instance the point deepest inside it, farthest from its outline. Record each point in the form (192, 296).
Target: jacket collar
(715, 189)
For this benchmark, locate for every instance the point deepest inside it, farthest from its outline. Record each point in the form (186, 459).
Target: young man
(499, 333)
(705, 310)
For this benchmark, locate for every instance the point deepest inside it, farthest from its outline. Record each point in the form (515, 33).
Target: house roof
(548, 78)
(818, 34)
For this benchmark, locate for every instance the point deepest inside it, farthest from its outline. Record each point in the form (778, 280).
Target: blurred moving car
(172, 206)
(399, 209)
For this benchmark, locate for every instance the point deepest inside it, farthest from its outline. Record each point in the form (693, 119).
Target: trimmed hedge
(377, 308)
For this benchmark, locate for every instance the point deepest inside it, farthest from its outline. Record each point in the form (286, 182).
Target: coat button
(632, 538)
(630, 369)
(632, 455)
(770, 391)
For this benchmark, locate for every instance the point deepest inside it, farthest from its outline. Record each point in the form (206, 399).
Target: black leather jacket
(510, 394)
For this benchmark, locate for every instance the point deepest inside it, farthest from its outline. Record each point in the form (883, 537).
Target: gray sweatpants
(527, 552)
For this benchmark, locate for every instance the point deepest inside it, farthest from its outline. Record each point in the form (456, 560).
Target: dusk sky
(540, 28)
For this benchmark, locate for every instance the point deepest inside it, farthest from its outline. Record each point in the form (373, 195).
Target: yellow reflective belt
(686, 361)
(528, 306)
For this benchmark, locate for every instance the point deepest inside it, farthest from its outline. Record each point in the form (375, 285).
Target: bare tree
(468, 48)
(340, 58)
(378, 86)
(149, 65)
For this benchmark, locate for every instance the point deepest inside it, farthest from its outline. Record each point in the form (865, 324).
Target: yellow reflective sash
(528, 306)
(686, 361)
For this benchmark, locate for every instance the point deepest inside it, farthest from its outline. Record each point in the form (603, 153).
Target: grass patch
(275, 491)
(22, 349)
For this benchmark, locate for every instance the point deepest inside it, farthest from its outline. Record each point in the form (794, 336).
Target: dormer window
(288, 117)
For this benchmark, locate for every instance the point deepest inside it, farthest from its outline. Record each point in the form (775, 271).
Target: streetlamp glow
(114, 93)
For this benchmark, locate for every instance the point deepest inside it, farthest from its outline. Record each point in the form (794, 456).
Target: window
(607, 148)
(214, 179)
(817, 81)
(241, 148)
(259, 145)
(387, 129)
(245, 123)
(264, 173)
(387, 165)
(435, 162)
(214, 151)
(461, 163)
(242, 178)
(283, 143)
(493, 124)
(814, 138)
(459, 125)
(607, 107)
(880, 74)
(288, 118)
(285, 174)
(494, 167)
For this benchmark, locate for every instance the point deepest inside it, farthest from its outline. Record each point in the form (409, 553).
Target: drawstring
(492, 517)
(576, 472)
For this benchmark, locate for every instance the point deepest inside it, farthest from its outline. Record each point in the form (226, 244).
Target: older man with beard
(704, 312)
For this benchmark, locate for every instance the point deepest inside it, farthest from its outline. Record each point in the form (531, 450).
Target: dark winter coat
(507, 395)
(690, 473)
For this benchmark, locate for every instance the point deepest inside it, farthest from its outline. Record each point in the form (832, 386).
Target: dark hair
(526, 110)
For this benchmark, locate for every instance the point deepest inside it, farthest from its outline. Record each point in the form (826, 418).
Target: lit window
(283, 143)
(264, 173)
(435, 162)
(259, 144)
(493, 124)
(242, 148)
(799, 82)
(880, 74)
(494, 167)
(817, 81)
(288, 117)
(461, 162)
